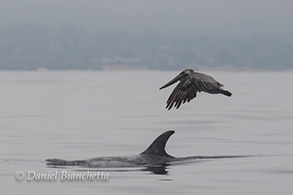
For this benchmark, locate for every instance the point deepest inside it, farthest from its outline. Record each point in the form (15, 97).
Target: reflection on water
(81, 115)
(154, 169)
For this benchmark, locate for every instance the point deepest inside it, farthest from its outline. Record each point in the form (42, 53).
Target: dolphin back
(61, 162)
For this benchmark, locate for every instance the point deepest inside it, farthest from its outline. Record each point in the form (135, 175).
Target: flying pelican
(190, 83)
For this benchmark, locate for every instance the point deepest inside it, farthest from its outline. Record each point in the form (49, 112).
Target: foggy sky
(185, 18)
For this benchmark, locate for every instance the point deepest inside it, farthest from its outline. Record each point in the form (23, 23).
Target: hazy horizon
(160, 34)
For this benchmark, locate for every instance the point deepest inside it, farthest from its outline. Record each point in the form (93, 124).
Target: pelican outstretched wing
(188, 87)
(184, 91)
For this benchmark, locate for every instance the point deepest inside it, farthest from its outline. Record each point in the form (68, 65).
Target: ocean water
(84, 114)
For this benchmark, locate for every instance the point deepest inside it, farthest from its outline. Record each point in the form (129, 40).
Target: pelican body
(190, 83)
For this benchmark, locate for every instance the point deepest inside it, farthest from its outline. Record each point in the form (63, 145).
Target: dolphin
(154, 155)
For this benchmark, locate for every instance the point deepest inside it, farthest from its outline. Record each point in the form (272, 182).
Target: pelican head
(187, 71)
(181, 75)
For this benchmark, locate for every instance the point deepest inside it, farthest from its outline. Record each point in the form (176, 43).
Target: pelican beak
(177, 78)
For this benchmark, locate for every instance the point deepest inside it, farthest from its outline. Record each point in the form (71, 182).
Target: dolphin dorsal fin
(158, 146)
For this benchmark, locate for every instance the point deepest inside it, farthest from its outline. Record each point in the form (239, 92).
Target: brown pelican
(190, 83)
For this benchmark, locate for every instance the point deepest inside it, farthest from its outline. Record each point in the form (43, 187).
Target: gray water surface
(80, 115)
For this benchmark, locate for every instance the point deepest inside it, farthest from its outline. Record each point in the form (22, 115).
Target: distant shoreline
(141, 69)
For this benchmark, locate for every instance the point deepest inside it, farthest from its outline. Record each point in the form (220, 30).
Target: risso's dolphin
(155, 154)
